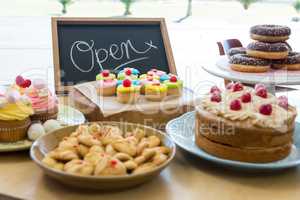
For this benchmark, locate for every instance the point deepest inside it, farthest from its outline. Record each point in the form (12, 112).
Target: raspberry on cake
(245, 124)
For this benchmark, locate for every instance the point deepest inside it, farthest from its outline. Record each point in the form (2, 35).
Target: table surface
(187, 177)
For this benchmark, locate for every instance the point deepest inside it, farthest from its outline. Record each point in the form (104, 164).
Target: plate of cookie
(103, 155)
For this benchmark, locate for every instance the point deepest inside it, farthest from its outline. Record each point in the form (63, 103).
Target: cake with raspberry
(245, 124)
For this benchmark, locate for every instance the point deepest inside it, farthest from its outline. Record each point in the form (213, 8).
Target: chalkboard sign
(82, 47)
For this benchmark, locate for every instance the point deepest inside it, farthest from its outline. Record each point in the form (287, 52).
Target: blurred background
(194, 27)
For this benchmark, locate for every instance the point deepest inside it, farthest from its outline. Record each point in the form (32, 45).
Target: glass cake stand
(270, 78)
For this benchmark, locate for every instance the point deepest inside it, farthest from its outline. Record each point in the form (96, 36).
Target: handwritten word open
(123, 51)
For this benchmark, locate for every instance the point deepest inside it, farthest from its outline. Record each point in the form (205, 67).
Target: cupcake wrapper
(42, 117)
(14, 132)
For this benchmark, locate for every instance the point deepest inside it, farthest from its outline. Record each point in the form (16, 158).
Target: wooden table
(187, 177)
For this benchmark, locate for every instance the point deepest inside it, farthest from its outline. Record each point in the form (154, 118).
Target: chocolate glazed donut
(245, 63)
(292, 62)
(236, 50)
(270, 33)
(268, 50)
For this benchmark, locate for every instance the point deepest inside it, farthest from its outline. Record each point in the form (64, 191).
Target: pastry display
(15, 112)
(44, 103)
(103, 150)
(267, 50)
(127, 92)
(156, 91)
(129, 85)
(174, 86)
(270, 33)
(245, 124)
(105, 75)
(292, 62)
(128, 73)
(245, 63)
(106, 87)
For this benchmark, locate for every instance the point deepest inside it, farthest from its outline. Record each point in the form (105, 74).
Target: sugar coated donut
(245, 63)
(268, 50)
(292, 62)
(270, 33)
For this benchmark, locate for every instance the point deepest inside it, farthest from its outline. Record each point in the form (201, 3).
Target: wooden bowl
(48, 142)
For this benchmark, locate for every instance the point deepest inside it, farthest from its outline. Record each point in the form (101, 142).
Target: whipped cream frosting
(250, 111)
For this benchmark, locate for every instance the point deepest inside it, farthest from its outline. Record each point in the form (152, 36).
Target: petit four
(155, 91)
(175, 86)
(127, 92)
(104, 75)
(128, 73)
(106, 87)
(116, 153)
(15, 111)
(44, 103)
(245, 124)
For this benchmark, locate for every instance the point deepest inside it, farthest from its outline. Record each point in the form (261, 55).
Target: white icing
(250, 111)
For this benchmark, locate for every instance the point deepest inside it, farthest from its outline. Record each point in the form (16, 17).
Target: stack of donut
(268, 50)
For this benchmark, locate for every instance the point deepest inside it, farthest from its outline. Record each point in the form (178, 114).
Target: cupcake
(127, 92)
(44, 103)
(15, 111)
(149, 76)
(104, 75)
(174, 85)
(128, 73)
(106, 87)
(145, 81)
(155, 91)
(156, 72)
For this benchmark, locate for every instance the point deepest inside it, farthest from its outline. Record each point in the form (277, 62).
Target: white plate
(282, 77)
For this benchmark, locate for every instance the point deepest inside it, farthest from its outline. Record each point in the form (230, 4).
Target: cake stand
(270, 78)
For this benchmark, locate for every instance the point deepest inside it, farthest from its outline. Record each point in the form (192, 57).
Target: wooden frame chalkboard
(58, 22)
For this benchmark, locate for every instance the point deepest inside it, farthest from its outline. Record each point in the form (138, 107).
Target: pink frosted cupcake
(106, 87)
(44, 103)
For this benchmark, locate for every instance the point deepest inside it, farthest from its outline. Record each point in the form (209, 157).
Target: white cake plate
(271, 78)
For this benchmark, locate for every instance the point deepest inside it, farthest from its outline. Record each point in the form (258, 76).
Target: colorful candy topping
(105, 73)
(127, 83)
(283, 102)
(128, 72)
(23, 83)
(246, 98)
(173, 79)
(265, 109)
(235, 105)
